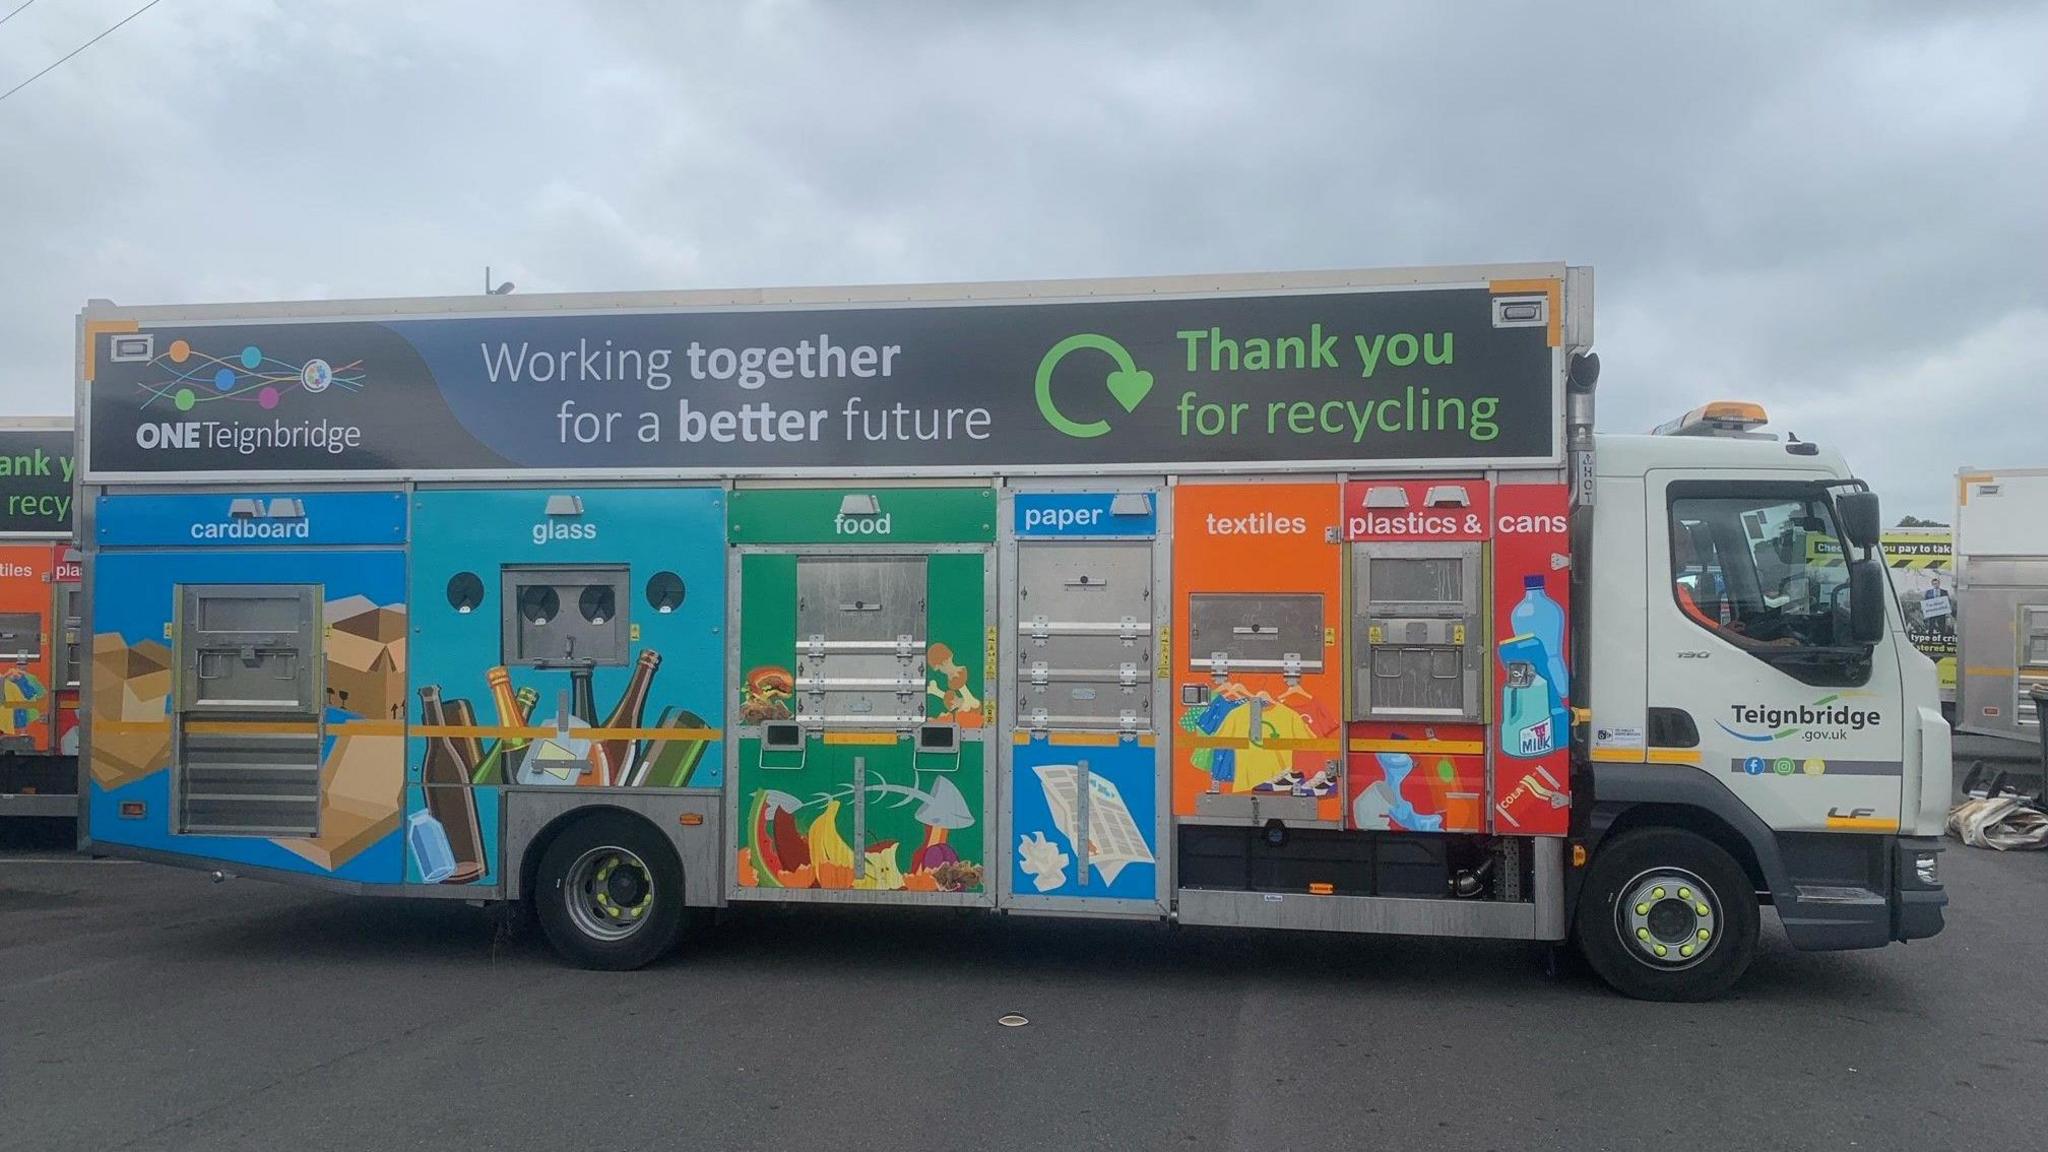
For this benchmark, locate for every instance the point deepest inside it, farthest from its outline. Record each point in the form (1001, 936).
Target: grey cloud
(1834, 210)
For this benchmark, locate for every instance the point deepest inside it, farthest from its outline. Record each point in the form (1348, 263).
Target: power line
(77, 50)
(16, 12)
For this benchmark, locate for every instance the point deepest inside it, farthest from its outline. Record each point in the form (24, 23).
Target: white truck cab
(1751, 699)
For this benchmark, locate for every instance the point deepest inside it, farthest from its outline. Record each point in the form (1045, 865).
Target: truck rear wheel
(1667, 915)
(609, 892)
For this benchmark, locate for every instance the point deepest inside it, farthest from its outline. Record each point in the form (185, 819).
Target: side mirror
(1860, 522)
(1866, 600)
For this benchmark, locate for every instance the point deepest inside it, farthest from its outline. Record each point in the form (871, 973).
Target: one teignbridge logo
(1128, 384)
(192, 378)
(1832, 717)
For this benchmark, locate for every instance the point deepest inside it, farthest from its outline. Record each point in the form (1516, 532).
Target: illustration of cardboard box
(366, 658)
(131, 688)
(362, 790)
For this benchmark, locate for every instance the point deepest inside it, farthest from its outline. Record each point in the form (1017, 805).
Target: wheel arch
(1631, 796)
(537, 845)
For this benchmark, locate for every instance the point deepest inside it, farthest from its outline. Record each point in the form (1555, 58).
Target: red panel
(1417, 517)
(1438, 776)
(1531, 679)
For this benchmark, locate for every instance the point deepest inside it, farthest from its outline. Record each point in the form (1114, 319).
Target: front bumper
(1917, 894)
(1846, 892)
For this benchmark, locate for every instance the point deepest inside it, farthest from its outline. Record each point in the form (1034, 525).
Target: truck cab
(1751, 699)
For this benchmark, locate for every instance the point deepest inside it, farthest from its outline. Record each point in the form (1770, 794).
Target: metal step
(1837, 894)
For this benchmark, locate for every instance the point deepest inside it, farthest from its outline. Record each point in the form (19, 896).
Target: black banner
(37, 466)
(1321, 379)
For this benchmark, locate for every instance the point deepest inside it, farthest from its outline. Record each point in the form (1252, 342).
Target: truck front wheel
(1667, 915)
(609, 892)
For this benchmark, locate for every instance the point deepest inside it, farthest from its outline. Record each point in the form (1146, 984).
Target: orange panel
(1275, 539)
(26, 701)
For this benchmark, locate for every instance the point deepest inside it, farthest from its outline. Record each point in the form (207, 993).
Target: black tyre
(609, 893)
(1667, 915)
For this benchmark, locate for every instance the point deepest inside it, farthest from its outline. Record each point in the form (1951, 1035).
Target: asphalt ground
(144, 1007)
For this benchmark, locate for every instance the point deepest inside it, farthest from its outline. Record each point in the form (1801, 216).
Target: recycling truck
(1306, 601)
(40, 628)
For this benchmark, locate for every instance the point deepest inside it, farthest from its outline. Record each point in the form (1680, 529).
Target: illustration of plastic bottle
(1536, 614)
(1529, 706)
(1395, 767)
(430, 849)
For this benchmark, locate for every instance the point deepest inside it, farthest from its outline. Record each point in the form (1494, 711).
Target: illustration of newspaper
(1114, 838)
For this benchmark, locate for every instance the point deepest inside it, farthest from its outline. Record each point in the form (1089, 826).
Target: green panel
(798, 811)
(904, 516)
(767, 625)
(926, 815)
(955, 604)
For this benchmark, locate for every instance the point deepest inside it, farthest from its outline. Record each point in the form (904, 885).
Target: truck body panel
(40, 656)
(2001, 610)
(1255, 600)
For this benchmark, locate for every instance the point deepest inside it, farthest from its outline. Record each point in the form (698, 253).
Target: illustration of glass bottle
(513, 708)
(446, 790)
(617, 751)
(469, 750)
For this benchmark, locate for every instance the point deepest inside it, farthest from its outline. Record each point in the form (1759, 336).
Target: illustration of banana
(827, 845)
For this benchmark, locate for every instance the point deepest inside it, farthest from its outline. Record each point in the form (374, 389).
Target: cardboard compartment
(362, 786)
(366, 658)
(131, 688)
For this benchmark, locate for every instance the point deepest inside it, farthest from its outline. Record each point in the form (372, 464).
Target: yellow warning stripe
(862, 738)
(1433, 747)
(1646, 755)
(396, 728)
(1863, 824)
(1277, 744)
(481, 731)
(1964, 481)
(1086, 739)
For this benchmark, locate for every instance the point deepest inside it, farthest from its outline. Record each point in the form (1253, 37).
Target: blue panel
(133, 598)
(478, 532)
(207, 520)
(1055, 514)
(1124, 781)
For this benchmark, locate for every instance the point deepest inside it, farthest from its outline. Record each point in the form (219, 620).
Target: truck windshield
(1763, 568)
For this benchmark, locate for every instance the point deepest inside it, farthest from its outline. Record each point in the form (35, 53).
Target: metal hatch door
(860, 636)
(1084, 636)
(1232, 633)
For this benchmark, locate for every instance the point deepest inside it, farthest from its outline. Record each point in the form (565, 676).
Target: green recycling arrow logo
(1128, 383)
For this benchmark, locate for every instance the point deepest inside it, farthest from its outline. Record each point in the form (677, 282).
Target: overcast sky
(1839, 210)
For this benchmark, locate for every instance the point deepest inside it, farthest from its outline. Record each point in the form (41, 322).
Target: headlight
(1928, 866)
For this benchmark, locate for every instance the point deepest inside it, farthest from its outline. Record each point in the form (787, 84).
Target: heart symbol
(1129, 387)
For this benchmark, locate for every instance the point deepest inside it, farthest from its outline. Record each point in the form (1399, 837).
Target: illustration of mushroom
(943, 810)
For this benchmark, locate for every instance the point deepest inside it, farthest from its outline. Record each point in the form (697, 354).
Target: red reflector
(691, 819)
(1321, 889)
(134, 809)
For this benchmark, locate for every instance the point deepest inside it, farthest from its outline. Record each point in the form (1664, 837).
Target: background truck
(39, 620)
(1303, 601)
(1922, 560)
(2001, 541)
